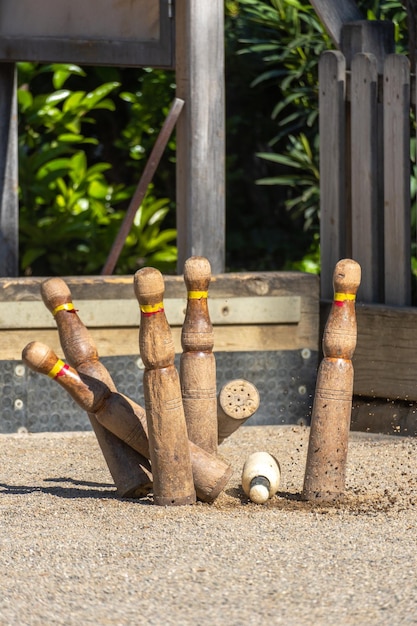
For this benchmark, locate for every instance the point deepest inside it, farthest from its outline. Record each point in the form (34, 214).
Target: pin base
(322, 496)
(138, 491)
(180, 501)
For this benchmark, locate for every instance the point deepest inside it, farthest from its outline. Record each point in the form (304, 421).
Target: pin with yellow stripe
(197, 361)
(197, 295)
(340, 298)
(59, 369)
(152, 309)
(67, 306)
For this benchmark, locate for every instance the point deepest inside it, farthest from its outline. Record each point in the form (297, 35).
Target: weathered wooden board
(228, 311)
(334, 15)
(333, 175)
(397, 221)
(9, 211)
(200, 131)
(292, 327)
(385, 359)
(367, 247)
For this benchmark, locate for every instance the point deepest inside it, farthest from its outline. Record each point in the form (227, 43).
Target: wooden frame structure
(190, 40)
(366, 94)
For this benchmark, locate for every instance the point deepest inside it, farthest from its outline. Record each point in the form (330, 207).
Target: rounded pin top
(39, 357)
(55, 291)
(149, 285)
(197, 272)
(347, 276)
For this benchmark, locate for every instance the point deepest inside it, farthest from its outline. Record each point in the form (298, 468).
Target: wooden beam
(334, 14)
(367, 216)
(200, 131)
(332, 119)
(385, 362)
(375, 37)
(257, 311)
(9, 205)
(397, 218)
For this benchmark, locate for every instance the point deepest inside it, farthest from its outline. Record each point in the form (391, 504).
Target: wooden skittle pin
(167, 430)
(197, 362)
(325, 472)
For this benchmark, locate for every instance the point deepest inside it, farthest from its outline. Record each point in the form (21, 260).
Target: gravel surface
(72, 553)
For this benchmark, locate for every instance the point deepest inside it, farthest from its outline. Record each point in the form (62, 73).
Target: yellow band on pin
(341, 297)
(59, 365)
(152, 308)
(197, 295)
(68, 306)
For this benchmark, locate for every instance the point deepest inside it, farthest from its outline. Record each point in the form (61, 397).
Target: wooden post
(332, 166)
(200, 131)
(371, 36)
(397, 220)
(366, 179)
(334, 15)
(9, 206)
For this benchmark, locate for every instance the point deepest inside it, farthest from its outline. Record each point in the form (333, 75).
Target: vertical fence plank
(332, 166)
(367, 230)
(397, 221)
(9, 207)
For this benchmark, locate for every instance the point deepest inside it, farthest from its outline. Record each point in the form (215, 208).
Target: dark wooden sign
(97, 32)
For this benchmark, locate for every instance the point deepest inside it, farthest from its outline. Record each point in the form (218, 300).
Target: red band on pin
(62, 371)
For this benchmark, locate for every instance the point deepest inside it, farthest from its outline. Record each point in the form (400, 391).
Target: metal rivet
(19, 370)
(302, 390)
(18, 404)
(140, 364)
(22, 430)
(306, 353)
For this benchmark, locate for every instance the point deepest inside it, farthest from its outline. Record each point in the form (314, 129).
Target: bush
(71, 208)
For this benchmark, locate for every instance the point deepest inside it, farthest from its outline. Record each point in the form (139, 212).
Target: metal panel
(285, 381)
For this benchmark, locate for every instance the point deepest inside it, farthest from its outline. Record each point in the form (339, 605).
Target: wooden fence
(365, 133)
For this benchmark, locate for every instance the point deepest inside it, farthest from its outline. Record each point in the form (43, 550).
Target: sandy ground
(72, 553)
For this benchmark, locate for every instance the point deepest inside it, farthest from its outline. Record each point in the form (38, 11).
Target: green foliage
(85, 135)
(70, 208)
(288, 38)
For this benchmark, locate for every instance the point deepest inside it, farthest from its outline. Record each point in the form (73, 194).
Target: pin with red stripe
(169, 447)
(330, 420)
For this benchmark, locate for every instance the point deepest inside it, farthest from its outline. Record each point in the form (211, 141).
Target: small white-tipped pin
(260, 477)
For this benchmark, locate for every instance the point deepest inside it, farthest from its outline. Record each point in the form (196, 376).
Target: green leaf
(94, 97)
(57, 96)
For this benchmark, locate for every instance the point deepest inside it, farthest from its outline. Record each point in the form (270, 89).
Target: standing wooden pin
(197, 363)
(167, 430)
(129, 469)
(325, 473)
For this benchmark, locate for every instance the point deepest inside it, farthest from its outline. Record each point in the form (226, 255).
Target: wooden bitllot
(129, 469)
(325, 473)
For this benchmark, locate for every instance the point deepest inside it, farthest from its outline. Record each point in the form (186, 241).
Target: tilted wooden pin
(237, 401)
(325, 474)
(124, 417)
(197, 362)
(210, 474)
(168, 439)
(130, 470)
(124, 465)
